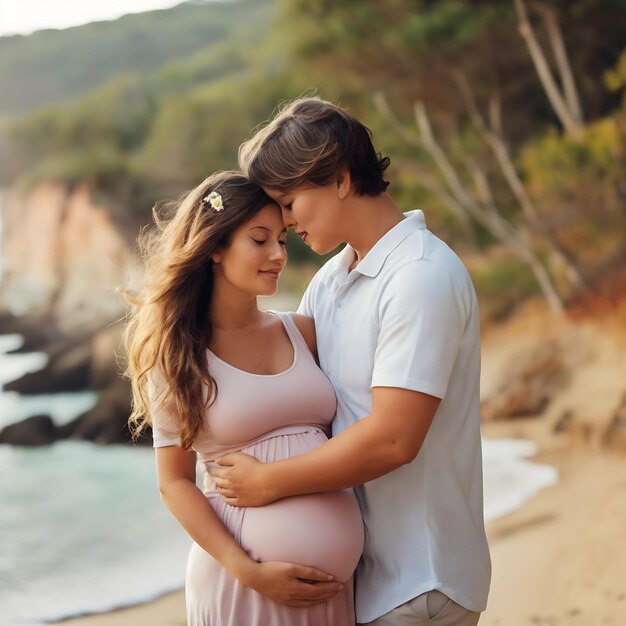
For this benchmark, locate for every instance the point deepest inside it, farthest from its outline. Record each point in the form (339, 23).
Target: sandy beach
(561, 558)
(557, 561)
(168, 610)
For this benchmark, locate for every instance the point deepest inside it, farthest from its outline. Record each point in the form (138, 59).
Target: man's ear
(344, 184)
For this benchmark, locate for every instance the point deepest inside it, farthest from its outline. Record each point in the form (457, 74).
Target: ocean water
(62, 407)
(82, 527)
(510, 477)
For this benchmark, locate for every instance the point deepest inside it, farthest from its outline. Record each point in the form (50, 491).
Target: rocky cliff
(63, 256)
(557, 380)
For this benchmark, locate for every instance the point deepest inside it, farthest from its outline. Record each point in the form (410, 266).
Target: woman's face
(313, 212)
(256, 255)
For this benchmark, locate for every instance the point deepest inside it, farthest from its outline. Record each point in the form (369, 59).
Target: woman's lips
(273, 274)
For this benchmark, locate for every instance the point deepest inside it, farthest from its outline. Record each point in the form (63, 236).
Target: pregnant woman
(213, 374)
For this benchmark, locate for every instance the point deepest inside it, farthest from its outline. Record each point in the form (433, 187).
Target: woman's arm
(281, 582)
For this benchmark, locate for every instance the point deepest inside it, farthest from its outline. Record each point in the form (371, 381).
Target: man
(398, 335)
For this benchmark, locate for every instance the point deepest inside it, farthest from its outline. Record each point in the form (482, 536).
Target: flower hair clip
(215, 200)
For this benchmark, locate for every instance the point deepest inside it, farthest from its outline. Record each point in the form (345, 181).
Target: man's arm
(376, 445)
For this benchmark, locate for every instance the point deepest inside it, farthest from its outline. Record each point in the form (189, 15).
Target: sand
(560, 560)
(168, 610)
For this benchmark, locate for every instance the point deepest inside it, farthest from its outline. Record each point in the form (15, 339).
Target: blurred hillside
(52, 66)
(505, 121)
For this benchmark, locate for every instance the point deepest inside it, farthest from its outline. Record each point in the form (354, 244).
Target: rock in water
(38, 430)
(106, 422)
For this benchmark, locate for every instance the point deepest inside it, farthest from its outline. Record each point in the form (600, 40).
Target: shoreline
(557, 560)
(166, 610)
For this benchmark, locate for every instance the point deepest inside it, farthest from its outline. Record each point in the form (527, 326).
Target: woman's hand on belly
(241, 481)
(294, 585)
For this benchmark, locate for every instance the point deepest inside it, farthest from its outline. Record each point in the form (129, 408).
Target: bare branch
(437, 189)
(408, 134)
(555, 37)
(481, 183)
(517, 237)
(499, 148)
(450, 175)
(495, 113)
(543, 70)
(494, 140)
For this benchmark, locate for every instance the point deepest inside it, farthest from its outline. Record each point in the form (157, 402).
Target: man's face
(313, 212)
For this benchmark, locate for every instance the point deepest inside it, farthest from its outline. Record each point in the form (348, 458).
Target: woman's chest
(247, 407)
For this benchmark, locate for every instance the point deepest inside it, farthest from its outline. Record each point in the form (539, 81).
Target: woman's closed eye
(260, 242)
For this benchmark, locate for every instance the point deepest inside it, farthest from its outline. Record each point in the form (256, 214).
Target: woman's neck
(232, 310)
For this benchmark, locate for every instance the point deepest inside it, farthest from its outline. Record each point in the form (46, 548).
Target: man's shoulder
(436, 275)
(433, 257)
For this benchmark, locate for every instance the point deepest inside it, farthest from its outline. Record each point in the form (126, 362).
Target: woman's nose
(279, 253)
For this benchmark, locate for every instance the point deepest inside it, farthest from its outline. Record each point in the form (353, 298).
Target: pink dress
(271, 417)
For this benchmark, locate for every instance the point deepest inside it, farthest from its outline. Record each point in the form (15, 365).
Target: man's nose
(288, 221)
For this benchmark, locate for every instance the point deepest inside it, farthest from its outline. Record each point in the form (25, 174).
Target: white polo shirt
(407, 317)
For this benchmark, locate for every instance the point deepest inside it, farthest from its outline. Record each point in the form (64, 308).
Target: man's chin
(317, 248)
(321, 251)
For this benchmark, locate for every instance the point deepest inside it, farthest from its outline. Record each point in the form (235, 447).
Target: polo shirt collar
(375, 258)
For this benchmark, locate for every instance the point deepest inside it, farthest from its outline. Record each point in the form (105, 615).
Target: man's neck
(371, 217)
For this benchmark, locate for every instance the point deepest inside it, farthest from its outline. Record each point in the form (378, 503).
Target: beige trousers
(432, 607)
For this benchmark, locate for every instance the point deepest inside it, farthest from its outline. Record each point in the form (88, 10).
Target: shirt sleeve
(422, 318)
(165, 425)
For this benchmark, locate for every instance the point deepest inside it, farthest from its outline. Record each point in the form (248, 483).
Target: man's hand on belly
(241, 480)
(294, 585)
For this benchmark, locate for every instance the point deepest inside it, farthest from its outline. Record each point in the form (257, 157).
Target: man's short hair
(310, 141)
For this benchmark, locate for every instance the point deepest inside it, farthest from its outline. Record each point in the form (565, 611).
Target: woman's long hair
(169, 330)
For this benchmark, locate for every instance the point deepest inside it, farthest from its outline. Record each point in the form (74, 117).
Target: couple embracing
(380, 523)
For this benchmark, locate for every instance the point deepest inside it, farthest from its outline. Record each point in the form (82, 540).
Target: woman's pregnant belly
(323, 530)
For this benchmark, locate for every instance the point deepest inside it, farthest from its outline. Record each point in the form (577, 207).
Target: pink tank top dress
(271, 417)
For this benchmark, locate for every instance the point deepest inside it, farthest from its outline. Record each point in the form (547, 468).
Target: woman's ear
(216, 257)
(344, 184)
